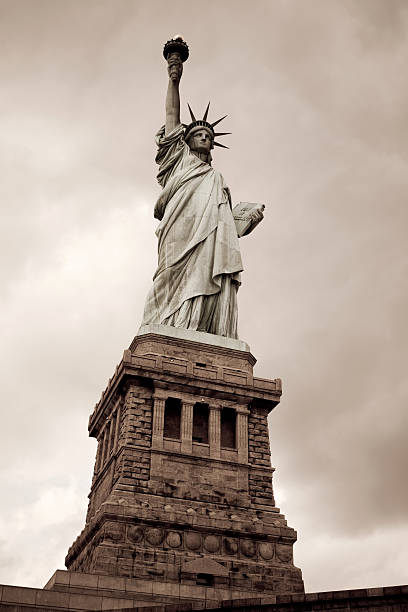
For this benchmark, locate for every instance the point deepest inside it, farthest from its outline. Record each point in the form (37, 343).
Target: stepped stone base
(79, 592)
(126, 591)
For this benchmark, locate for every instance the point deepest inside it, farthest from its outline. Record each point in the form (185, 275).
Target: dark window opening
(172, 418)
(205, 579)
(200, 423)
(228, 419)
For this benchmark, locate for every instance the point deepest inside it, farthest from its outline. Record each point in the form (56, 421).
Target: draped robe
(199, 260)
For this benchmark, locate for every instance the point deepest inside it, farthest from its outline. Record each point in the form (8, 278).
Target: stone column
(242, 433)
(214, 430)
(187, 426)
(102, 450)
(112, 430)
(158, 422)
(107, 441)
(117, 428)
(99, 454)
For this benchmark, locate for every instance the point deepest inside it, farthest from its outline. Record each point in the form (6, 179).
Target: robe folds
(199, 260)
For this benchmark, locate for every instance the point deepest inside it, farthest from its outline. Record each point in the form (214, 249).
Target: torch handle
(175, 66)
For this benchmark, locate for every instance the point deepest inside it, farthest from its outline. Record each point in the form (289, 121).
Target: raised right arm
(175, 70)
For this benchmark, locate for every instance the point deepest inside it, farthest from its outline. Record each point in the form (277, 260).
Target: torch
(175, 52)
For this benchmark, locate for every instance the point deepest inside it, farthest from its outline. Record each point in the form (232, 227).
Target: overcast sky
(317, 97)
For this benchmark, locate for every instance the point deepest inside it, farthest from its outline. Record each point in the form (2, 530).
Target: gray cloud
(316, 102)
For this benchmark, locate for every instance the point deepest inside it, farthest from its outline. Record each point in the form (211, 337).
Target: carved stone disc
(284, 553)
(266, 550)
(248, 548)
(192, 540)
(135, 534)
(154, 536)
(211, 543)
(230, 546)
(173, 539)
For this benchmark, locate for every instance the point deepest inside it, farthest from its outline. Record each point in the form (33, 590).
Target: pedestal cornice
(213, 379)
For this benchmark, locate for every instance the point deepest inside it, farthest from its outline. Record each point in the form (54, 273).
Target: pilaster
(158, 422)
(117, 428)
(214, 430)
(187, 426)
(242, 433)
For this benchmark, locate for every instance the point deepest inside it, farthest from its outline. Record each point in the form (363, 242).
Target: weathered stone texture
(260, 481)
(70, 591)
(163, 505)
(137, 418)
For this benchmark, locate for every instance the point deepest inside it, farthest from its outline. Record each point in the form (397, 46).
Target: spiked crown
(205, 124)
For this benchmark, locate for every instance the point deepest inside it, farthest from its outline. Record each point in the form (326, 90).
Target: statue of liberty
(199, 261)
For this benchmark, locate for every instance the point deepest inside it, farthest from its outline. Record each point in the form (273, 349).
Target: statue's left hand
(256, 215)
(247, 216)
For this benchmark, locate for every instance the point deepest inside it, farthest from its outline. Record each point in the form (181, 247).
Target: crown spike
(221, 133)
(206, 112)
(217, 144)
(218, 121)
(191, 113)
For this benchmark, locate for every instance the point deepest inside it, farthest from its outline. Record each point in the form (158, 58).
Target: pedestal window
(228, 428)
(172, 418)
(200, 423)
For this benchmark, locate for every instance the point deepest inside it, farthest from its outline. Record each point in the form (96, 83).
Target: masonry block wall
(259, 456)
(182, 486)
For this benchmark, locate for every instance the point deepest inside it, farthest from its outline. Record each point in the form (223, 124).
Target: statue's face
(200, 141)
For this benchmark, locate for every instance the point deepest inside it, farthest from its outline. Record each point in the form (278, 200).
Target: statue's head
(200, 139)
(200, 134)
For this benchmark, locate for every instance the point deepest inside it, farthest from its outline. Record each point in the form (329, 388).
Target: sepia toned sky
(316, 96)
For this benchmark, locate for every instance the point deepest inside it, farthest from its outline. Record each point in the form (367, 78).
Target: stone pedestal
(182, 496)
